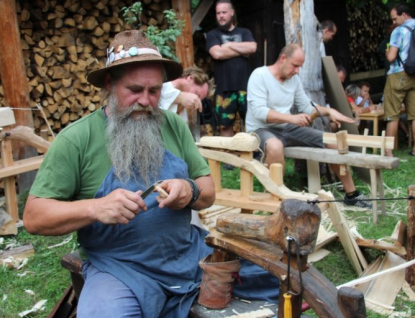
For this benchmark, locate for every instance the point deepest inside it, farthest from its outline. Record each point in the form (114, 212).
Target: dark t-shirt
(230, 74)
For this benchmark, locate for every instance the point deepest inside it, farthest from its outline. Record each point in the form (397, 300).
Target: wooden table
(375, 116)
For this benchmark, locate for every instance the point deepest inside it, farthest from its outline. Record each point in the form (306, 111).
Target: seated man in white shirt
(186, 92)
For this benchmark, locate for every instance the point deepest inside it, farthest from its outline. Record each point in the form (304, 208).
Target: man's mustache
(136, 107)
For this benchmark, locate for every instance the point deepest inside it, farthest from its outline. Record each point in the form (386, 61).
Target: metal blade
(149, 190)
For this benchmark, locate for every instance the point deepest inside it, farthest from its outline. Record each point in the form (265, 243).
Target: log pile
(367, 29)
(62, 42)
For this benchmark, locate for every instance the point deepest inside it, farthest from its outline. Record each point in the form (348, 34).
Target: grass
(44, 278)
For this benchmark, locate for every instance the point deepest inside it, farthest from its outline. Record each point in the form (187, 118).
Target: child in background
(364, 100)
(353, 92)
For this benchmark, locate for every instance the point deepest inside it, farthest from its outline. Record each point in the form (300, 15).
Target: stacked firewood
(62, 42)
(367, 29)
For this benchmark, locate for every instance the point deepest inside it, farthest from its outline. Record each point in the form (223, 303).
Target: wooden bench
(345, 158)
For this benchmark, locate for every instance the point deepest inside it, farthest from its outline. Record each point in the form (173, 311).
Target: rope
(411, 197)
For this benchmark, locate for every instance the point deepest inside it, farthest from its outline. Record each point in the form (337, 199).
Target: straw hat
(133, 47)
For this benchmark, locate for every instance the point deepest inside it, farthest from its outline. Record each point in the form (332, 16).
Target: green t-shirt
(77, 161)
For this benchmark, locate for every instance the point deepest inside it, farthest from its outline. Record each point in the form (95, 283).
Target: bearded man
(230, 47)
(140, 253)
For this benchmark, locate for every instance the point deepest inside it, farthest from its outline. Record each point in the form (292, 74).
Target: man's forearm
(243, 48)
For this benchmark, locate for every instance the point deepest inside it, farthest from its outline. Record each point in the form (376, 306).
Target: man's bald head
(290, 50)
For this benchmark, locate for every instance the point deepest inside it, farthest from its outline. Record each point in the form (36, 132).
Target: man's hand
(300, 120)
(179, 194)
(338, 118)
(189, 101)
(118, 207)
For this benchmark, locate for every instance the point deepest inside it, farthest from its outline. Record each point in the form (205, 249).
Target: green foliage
(163, 39)
(132, 14)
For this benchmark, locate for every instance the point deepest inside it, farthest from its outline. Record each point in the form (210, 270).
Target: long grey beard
(134, 144)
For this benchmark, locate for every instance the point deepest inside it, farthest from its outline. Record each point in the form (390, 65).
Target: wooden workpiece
(295, 218)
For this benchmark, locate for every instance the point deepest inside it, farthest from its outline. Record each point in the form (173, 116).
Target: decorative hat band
(119, 53)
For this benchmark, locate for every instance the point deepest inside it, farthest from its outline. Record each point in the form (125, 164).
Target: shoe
(411, 153)
(357, 201)
(227, 166)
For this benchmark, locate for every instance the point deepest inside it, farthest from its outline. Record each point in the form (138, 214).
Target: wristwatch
(195, 191)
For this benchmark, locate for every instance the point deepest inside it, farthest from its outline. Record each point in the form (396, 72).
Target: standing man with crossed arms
(230, 47)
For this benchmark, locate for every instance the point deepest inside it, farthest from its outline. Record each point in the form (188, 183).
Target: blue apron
(157, 253)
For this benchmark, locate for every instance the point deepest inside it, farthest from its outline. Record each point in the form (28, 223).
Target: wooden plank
(337, 100)
(384, 289)
(351, 159)
(21, 166)
(351, 249)
(314, 181)
(6, 117)
(362, 141)
(199, 13)
(381, 245)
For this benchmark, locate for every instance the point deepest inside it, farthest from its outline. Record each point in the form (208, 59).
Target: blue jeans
(104, 296)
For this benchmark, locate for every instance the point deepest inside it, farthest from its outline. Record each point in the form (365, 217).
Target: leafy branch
(163, 39)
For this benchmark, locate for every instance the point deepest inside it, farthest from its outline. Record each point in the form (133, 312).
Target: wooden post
(14, 81)
(410, 242)
(185, 53)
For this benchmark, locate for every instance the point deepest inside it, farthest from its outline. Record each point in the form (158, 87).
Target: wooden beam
(21, 166)
(355, 159)
(200, 12)
(184, 43)
(350, 246)
(362, 141)
(185, 54)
